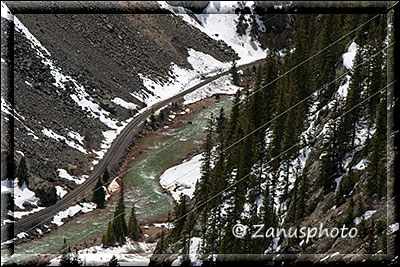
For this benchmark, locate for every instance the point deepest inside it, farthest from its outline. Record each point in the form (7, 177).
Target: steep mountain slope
(79, 79)
(305, 149)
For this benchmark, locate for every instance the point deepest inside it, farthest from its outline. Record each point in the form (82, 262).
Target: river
(142, 188)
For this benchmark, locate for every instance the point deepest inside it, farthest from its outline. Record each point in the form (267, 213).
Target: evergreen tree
(99, 194)
(66, 259)
(119, 226)
(301, 78)
(234, 118)
(188, 225)
(221, 122)
(253, 27)
(278, 126)
(117, 230)
(301, 203)
(76, 260)
(134, 231)
(268, 215)
(235, 74)
(350, 213)
(268, 85)
(152, 120)
(376, 168)
(161, 116)
(22, 173)
(113, 262)
(203, 187)
(291, 131)
(106, 176)
(334, 148)
(161, 243)
(354, 97)
(180, 211)
(371, 238)
(109, 238)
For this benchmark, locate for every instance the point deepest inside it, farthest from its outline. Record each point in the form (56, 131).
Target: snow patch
(131, 254)
(22, 235)
(51, 134)
(365, 216)
(222, 85)
(180, 78)
(109, 137)
(6, 13)
(76, 136)
(71, 211)
(21, 194)
(361, 165)
(124, 104)
(65, 175)
(344, 88)
(393, 228)
(20, 214)
(61, 192)
(348, 57)
(182, 178)
(164, 225)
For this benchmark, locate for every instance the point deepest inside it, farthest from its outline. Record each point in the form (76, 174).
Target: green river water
(141, 187)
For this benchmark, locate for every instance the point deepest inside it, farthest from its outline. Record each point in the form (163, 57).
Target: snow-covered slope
(180, 78)
(219, 21)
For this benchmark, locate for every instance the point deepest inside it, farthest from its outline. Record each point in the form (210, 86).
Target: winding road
(111, 158)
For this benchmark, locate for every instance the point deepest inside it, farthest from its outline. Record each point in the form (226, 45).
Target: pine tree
(290, 134)
(76, 260)
(323, 63)
(302, 74)
(22, 173)
(253, 27)
(220, 122)
(189, 224)
(106, 176)
(278, 125)
(301, 210)
(161, 243)
(360, 209)
(235, 74)
(119, 226)
(66, 259)
(109, 238)
(268, 215)
(376, 168)
(113, 262)
(152, 119)
(99, 194)
(161, 115)
(203, 187)
(371, 238)
(354, 97)
(334, 147)
(234, 118)
(268, 84)
(350, 213)
(134, 231)
(180, 211)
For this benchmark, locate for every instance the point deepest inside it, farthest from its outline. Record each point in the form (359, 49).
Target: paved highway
(113, 156)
